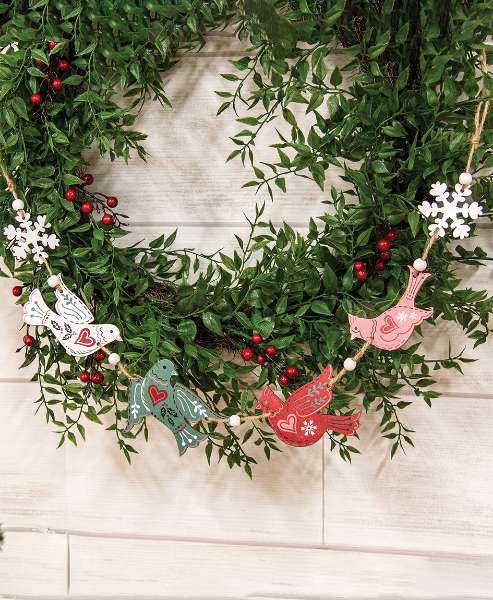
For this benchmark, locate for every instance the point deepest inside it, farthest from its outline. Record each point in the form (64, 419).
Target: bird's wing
(312, 397)
(71, 307)
(190, 404)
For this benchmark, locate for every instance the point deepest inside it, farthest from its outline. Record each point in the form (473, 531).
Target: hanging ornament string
(480, 115)
(479, 121)
(308, 400)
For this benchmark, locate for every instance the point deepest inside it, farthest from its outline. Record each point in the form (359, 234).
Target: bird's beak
(119, 338)
(353, 335)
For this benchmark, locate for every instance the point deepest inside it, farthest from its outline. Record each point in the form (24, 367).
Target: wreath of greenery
(401, 122)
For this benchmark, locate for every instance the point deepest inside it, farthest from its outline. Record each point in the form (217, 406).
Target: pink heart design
(156, 395)
(389, 325)
(85, 339)
(288, 424)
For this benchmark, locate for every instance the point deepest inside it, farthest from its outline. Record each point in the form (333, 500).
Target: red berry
(17, 290)
(107, 219)
(87, 208)
(57, 84)
(385, 255)
(292, 372)
(271, 350)
(70, 194)
(247, 353)
(85, 376)
(39, 63)
(52, 45)
(100, 355)
(383, 245)
(97, 377)
(36, 99)
(361, 275)
(379, 266)
(88, 179)
(64, 65)
(261, 359)
(257, 338)
(112, 201)
(28, 340)
(359, 265)
(392, 235)
(283, 379)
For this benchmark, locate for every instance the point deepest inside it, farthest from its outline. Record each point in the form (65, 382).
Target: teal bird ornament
(171, 403)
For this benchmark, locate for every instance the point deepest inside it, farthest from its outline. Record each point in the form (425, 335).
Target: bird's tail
(346, 425)
(35, 309)
(416, 280)
(188, 437)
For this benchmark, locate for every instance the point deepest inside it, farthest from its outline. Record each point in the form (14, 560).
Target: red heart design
(389, 325)
(156, 395)
(288, 424)
(85, 339)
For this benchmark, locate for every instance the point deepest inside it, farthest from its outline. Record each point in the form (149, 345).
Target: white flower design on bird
(309, 427)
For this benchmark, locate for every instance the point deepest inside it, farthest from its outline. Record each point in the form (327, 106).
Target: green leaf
(187, 330)
(212, 322)
(320, 307)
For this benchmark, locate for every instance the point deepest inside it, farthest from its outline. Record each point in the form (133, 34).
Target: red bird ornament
(298, 421)
(394, 327)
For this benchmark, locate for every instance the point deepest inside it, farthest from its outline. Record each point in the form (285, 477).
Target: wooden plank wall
(81, 523)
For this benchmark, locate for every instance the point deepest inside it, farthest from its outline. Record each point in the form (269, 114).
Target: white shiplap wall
(82, 523)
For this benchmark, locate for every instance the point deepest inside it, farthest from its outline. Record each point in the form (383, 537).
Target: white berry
(465, 179)
(18, 204)
(114, 358)
(53, 281)
(350, 364)
(419, 264)
(234, 420)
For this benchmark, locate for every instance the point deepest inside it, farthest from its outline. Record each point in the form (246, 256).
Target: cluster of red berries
(94, 376)
(71, 194)
(262, 356)
(27, 340)
(50, 76)
(384, 254)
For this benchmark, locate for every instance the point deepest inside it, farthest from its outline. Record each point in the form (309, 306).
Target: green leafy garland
(404, 117)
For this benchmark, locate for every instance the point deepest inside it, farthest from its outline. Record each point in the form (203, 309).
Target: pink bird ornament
(392, 329)
(71, 323)
(298, 421)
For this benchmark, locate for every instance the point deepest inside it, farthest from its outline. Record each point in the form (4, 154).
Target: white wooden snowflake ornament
(31, 237)
(450, 210)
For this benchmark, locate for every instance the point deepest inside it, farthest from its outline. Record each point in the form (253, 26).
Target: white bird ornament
(70, 324)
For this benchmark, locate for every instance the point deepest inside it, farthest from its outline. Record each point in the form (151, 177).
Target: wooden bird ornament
(171, 403)
(392, 329)
(298, 421)
(71, 324)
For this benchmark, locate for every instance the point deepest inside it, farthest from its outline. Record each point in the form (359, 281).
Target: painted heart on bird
(85, 339)
(156, 395)
(288, 424)
(389, 325)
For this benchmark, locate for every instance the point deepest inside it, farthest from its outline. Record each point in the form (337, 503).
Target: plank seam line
(322, 480)
(445, 394)
(255, 544)
(68, 565)
(206, 54)
(245, 225)
(210, 224)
